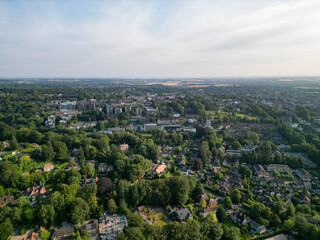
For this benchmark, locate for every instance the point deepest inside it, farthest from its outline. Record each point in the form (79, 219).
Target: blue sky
(154, 39)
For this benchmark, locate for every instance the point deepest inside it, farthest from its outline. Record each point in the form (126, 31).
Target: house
(48, 167)
(61, 233)
(304, 175)
(263, 181)
(92, 162)
(111, 226)
(260, 172)
(281, 236)
(159, 168)
(5, 144)
(102, 167)
(257, 229)
(278, 167)
(91, 226)
(212, 202)
(89, 181)
(204, 197)
(29, 235)
(185, 171)
(206, 211)
(124, 147)
(8, 200)
(35, 192)
(239, 218)
(182, 214)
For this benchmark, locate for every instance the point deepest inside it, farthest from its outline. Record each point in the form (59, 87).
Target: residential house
(91, 226)
(111, 226)
(62, 233)
(124, 147)
(35, 192)
(182, 214)
(260, 172)
(48, 167)
(278, 167)
(185, 171)
(159, 168)
(257, 229)
(206, 211)
(304, 175)
(102, 167)
(9, 199)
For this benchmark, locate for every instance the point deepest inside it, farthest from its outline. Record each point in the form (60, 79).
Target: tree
(290, 210)
(244, 171)
(104, 185)
(87, 171)
(221, 214)
(175, 231)
(79, 211)
(227, 202)
(81, 156)
(197, 192)
(61, 150)
(181, 188)
(301, 226)
(278, 207)
(192, 230)
(218, 175)
(44, 235)
(211, 231)
(133, 233)
(6, 228)
(235, 196)
(236, 145)
(135, 220)
(112, 206)
(13, 143)
(197, 164)
(230, 233)
(47, 154)
(46, 214)
(288, 225)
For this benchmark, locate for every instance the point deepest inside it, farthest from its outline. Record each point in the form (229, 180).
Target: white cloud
(153, 39)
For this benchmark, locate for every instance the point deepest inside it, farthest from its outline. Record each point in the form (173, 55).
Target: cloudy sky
(154, 39)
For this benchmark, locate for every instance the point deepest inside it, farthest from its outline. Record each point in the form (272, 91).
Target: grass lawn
(161, 218)
(212, 114)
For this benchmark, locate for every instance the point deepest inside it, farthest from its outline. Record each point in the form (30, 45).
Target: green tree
(135, 220)
(211, 231)
(112, 206)
(13, 143)
(244, 171)
(61, 150)
(235, 196)
(288, 225)
(44, 235)
(6, 228)
(79, 211)
(46, 215)
(221, 214)
(133, 233)
(192, 229)
(227, 202)
(236, 145)
(290, 210)
(47, 154)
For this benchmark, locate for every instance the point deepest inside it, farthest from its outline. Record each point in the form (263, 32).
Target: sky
(159, 39)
